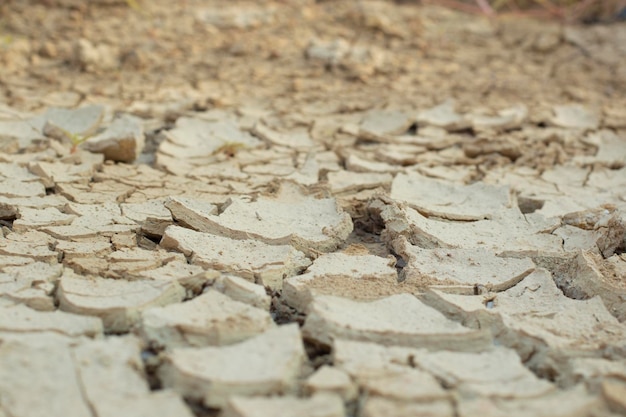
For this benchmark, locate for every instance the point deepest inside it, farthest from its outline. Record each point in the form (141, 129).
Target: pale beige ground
(438, 200)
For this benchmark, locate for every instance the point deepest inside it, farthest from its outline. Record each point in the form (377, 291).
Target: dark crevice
(318, 354)
(200, 410)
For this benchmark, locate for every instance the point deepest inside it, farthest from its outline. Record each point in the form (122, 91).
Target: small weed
(76, 139)
(229, 149)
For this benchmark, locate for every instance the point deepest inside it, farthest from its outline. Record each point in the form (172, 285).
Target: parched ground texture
(301, 208)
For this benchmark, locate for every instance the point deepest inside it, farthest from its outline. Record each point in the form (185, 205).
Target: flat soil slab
(419, 375)
(20, 319)
(591, 275)
(322, 225)
(389, 321)
(80, 378)
(331, 380)
(30, 283)
(354, 275)
(379, 406)
(450, 201)
(211, 319)
(509, 232)
(250, 259)
(244, 291)
(559, 404)
(326, 405)
(264, 365)
(532, 318)
(459, 270)
(117, 302)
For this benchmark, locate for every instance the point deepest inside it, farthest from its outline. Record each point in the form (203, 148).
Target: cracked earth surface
(300, 208)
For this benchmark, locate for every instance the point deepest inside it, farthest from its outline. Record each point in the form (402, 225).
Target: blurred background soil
(200, 54)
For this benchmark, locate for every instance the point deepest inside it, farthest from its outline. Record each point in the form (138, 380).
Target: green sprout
(229, 149)
(76, 138)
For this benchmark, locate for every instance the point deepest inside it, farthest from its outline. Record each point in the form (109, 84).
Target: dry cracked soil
(306, 208)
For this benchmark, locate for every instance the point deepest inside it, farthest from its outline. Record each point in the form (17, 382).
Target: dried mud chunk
(191, 277)
(508, 232)
(535, 318)
(592, 372)
(153, 216)
(450, 201)
(20, 320)
(288, 218)
(122, 141)
(112, 378)
(20, 134)
(611, 149)
(331, 380)
(459, 270)
(607, 226)
(30, 218)
(381, 125)
(190, 212)
(29, 245)
(356, 164)
(31, 284)
(444, 116)
(60, 172)
(79, 378)
(211, 319)
(61, 124)
(355, 276)
(229, 169)
(117, 302)
(44, 365)
(296, 139)
(196, 142)
(591, 276)
(99, 247)
(507, 119)
(346, 181)
(251, 259)
(326, 405)
(378, 406)
(134, 260)
(95, 192)
(139, 176)
(244, 291)
(574, 402)
(575, 116)
(16, 188)
(389, 321)
(614, 393)
(506, 147)
(496, 373)
(408, 384)
(264, 365)
(16, 172)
